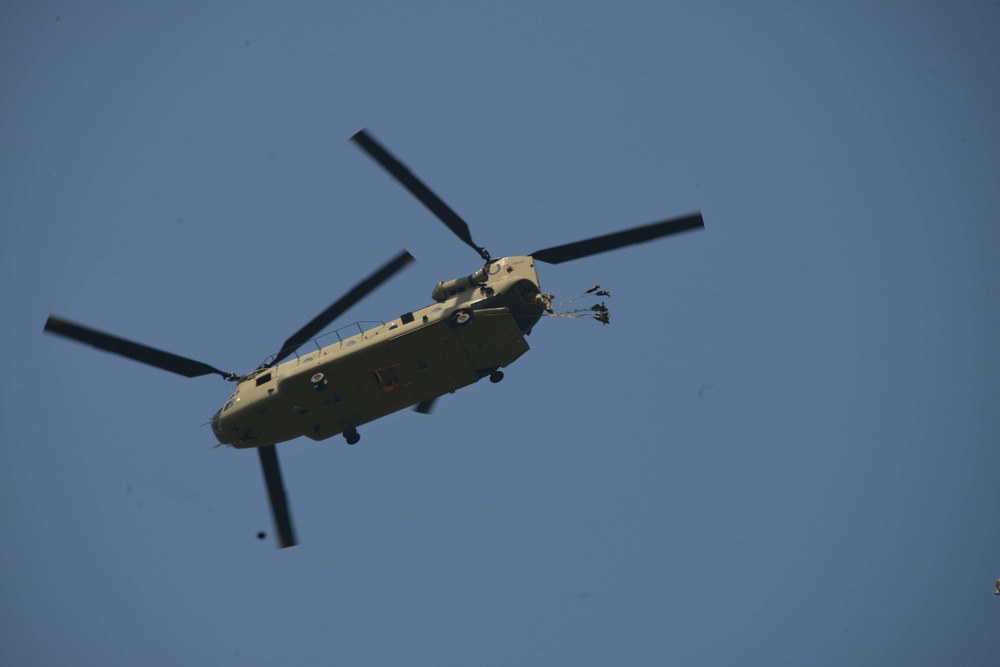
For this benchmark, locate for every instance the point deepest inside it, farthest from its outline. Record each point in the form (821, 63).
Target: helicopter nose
(216, 426)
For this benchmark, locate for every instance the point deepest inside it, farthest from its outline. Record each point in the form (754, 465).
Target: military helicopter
(475, 327)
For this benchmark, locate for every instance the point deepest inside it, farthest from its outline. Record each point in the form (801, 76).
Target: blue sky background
(783, 450)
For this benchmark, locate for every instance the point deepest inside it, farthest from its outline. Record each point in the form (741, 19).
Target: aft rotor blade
(135, 351)
(417, 188)
(360, 291)
(276, 494)
(599, 244)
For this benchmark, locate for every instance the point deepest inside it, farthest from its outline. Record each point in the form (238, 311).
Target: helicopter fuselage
(476, 326)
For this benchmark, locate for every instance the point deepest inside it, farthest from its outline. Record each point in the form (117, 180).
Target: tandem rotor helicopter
(475, 327)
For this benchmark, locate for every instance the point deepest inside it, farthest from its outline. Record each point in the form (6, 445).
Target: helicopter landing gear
(496, 376)
(318, 382)
(352, 436)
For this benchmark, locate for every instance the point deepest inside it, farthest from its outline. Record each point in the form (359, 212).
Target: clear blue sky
(784, 449)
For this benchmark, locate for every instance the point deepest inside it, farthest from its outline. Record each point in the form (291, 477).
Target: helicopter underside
(334, 391)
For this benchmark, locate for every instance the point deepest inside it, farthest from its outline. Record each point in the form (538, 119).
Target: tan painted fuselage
(475, 327)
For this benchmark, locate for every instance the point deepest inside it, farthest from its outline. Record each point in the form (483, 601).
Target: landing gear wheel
(352, 436)
(461, 317)
(318, 382)
(496, 376)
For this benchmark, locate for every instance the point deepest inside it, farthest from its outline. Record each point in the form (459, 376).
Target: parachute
(598, 311)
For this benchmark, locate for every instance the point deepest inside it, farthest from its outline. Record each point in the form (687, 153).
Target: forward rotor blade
(135, 351)
(360, 291)
(417, 188)
(276, 494)
(598, 244)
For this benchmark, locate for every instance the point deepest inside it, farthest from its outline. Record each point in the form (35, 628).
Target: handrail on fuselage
(269, 360)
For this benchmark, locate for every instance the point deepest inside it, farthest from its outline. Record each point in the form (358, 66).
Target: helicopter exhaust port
(451, 288)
